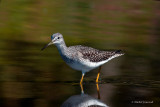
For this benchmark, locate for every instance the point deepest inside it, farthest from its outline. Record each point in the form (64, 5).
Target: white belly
(80, 67)
(85, 65)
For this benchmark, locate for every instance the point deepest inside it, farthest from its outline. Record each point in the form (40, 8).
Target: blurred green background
(32, 78)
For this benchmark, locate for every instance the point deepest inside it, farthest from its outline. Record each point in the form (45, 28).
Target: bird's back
(95, 55)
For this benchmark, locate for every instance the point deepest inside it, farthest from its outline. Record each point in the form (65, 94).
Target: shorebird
(82, 58)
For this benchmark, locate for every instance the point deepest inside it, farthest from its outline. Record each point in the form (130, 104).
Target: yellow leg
(98, 91)
(98, 74)
(82, 79)
(81, 85)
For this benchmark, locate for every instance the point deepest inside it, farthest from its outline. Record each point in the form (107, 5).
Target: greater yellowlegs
(82, 58)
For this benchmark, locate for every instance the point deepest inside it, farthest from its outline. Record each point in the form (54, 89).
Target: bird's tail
(119, 52)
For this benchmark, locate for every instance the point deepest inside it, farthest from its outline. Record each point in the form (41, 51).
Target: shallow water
(32, 78)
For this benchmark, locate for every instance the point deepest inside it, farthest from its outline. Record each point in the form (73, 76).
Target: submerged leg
(81, 85)
(82, 78)
(98, 90)
(98, 74)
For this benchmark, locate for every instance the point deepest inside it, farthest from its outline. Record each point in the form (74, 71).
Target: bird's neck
(61, 48)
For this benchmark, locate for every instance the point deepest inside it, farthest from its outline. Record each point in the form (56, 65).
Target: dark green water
(32, 78)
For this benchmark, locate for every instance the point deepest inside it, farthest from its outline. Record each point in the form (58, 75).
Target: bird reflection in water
(84, 100)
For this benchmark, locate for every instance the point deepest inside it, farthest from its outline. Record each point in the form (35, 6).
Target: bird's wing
(95, 55)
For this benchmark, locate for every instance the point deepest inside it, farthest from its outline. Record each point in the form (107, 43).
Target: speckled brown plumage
(95, 55)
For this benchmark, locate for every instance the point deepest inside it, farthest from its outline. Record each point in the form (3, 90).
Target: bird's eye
(58, 37)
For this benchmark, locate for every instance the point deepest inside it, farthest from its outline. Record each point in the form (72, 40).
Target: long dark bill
(46, 46)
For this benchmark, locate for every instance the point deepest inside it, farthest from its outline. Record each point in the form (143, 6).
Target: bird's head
(56, 39)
